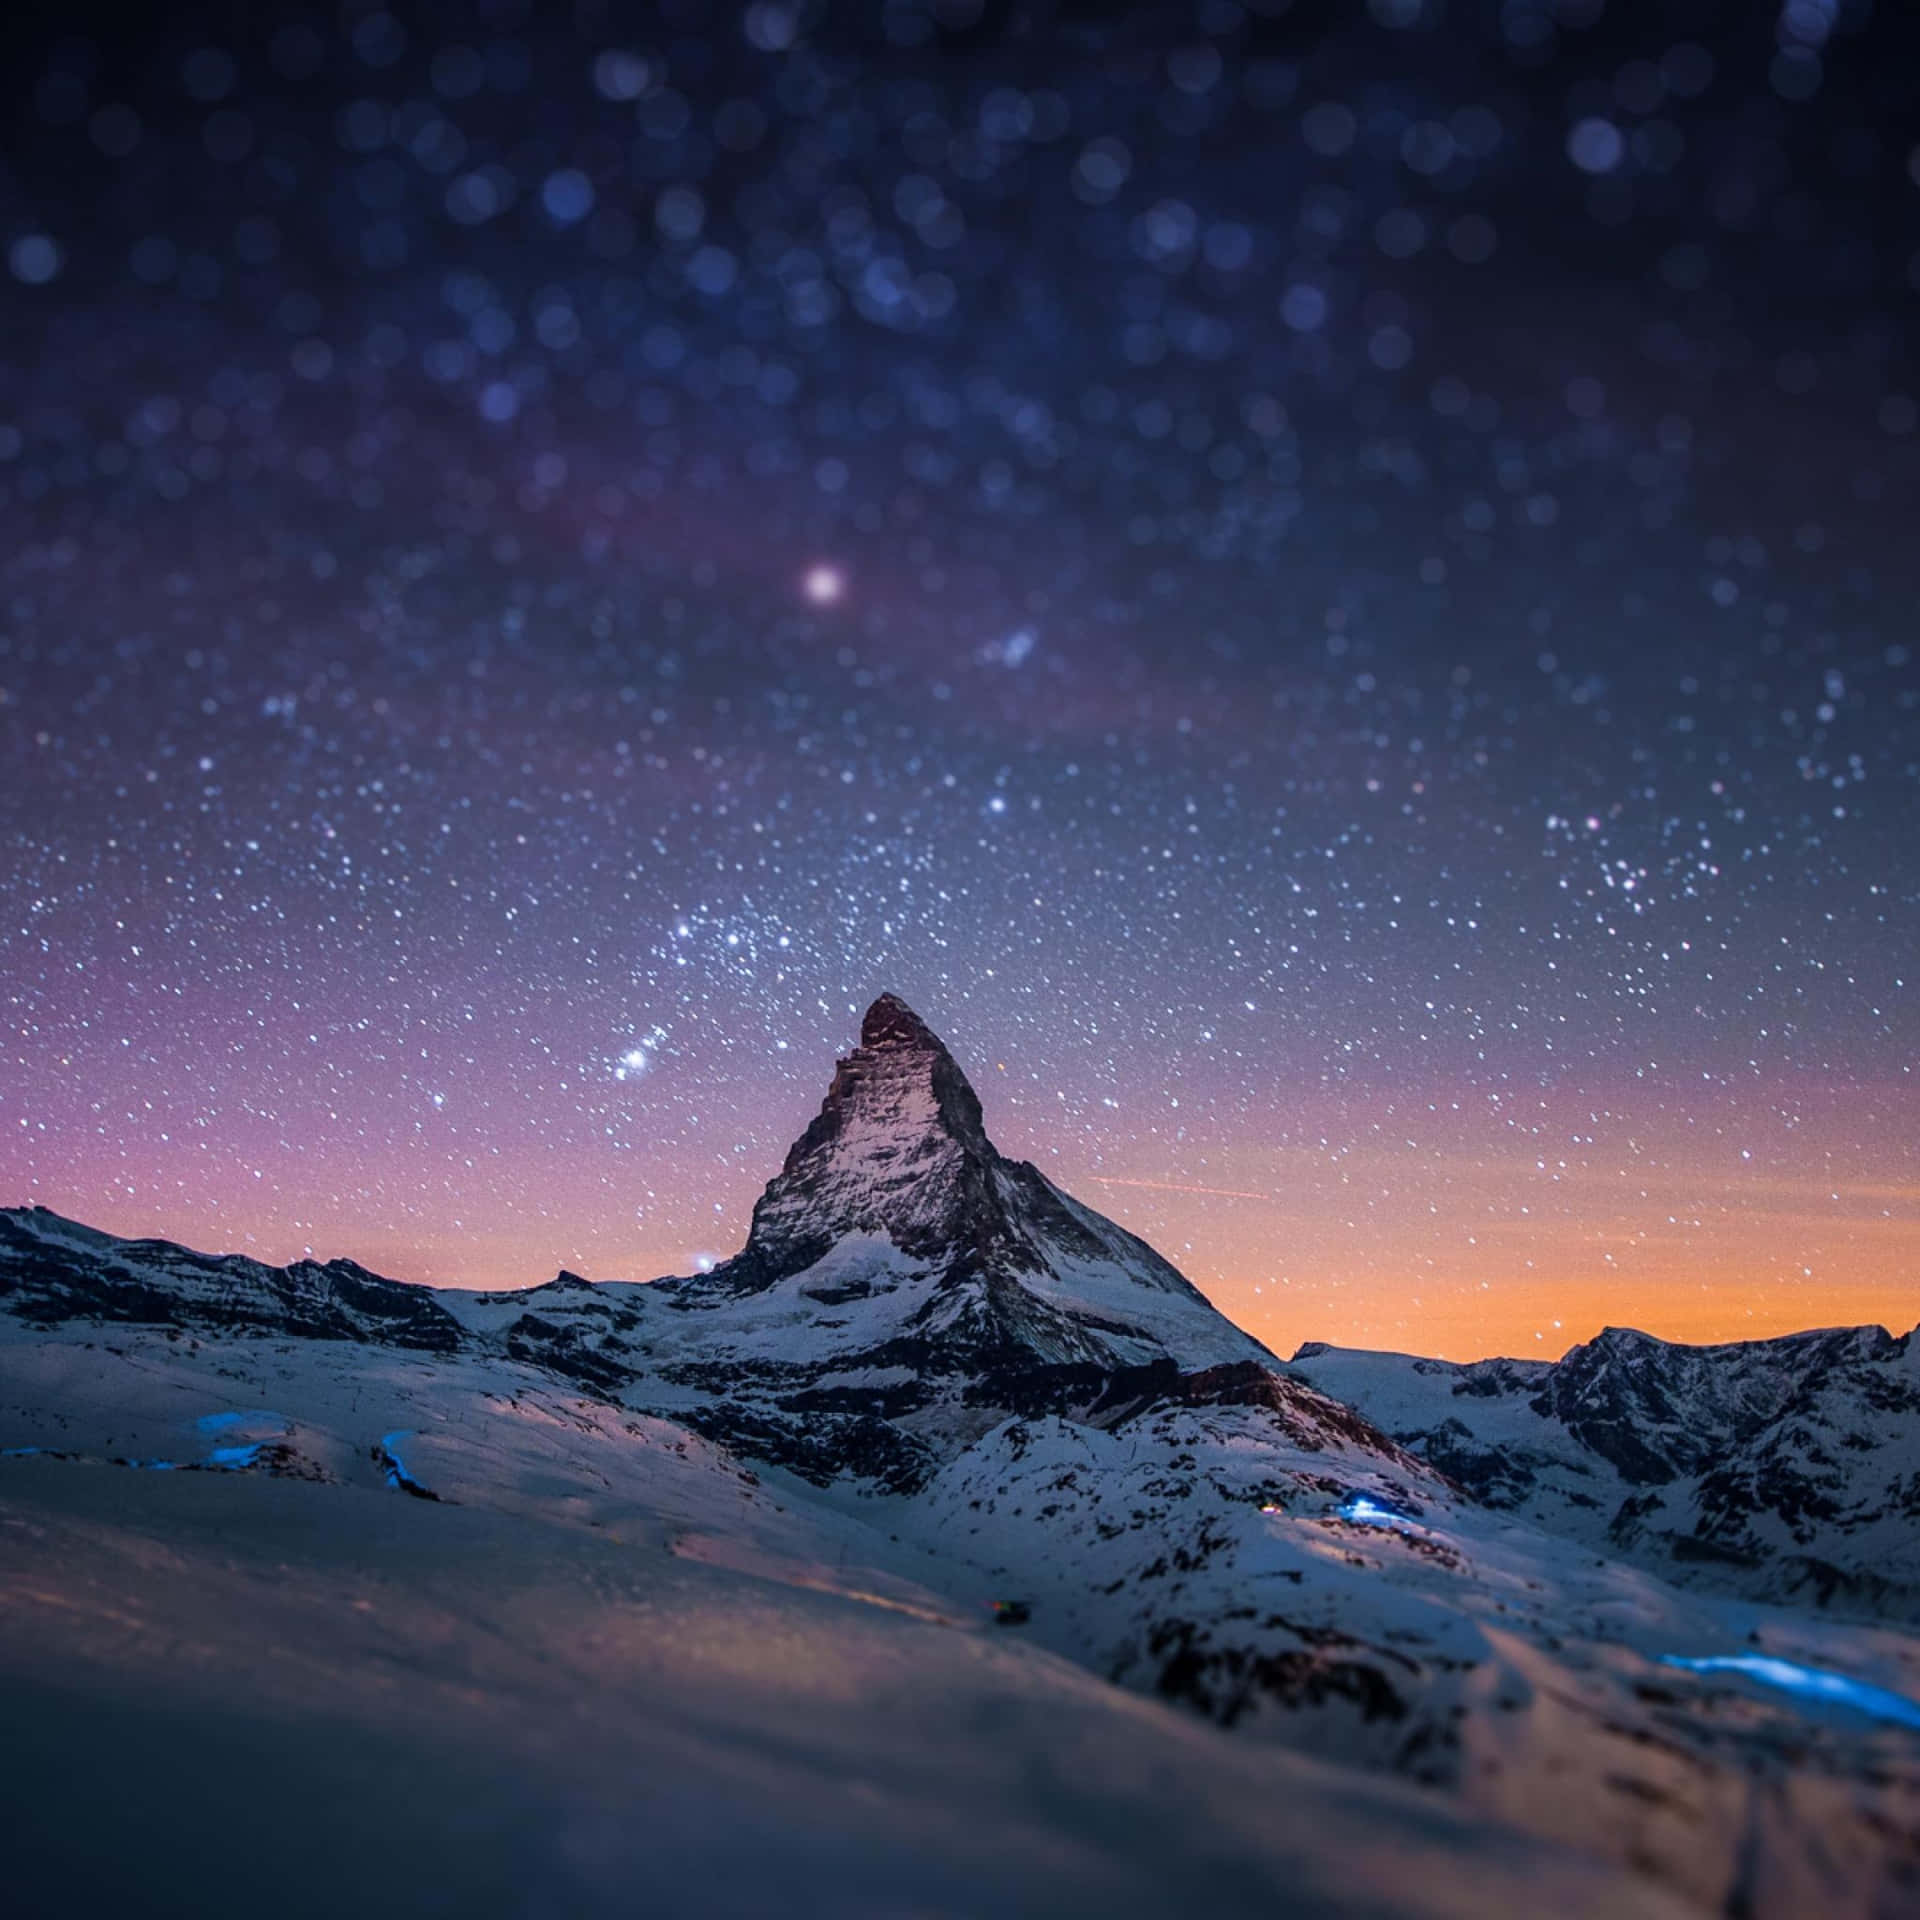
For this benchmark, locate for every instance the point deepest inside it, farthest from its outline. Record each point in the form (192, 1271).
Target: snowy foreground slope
(331, 1594)
(617, 1677)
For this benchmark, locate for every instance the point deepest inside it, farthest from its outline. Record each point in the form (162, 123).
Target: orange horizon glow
(1448, 1314)
(1424, 1218)
(1456, 1255)
(1451, 1312)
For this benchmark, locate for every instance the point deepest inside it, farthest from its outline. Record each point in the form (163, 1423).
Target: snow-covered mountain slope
(231, 1691)
(1276, 1570)
(932, 1385)
(992, 1258)
(436, 1559)
(1785, 1469)
(53, 1270)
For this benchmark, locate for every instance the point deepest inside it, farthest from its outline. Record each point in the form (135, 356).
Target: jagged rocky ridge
(1787, 1469)
(1431, 1570)
(903, 1285)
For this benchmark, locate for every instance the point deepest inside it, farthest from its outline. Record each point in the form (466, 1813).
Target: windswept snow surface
(613, 1671)
(605, 1625)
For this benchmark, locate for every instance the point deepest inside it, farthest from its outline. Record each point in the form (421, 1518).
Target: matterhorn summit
(896, 1190)
(898, 1148)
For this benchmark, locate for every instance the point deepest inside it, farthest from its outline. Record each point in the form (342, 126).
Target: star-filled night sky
(1327, 590)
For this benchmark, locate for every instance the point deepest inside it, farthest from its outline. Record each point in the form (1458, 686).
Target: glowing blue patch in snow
(397, 1474)
(156, 1466)
(1365, 1511)
(1813, 1683)
(233, 1458)
(211, 1423)
(16, 1453)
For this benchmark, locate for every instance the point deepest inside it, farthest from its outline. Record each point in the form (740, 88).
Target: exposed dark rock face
(53, 1270)
(1227, 1680)
(1495, 1476)
(1657, 1410)
(1785, 1468)
(820, 1448)
(899, 1149)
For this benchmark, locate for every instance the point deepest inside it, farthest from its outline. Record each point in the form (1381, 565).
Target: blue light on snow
(1365, 1511)
(397, 1474)
(233, 1458)
(1813, 1683)
(16, 1453)
(211, 1423)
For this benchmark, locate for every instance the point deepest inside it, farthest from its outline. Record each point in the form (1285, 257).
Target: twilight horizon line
(888, 999)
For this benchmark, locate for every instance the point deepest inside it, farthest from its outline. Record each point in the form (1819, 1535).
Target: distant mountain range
(1471, 1576)
(1784, 1469)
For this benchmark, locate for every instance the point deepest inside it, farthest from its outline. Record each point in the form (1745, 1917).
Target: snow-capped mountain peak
(896, 1173)
(898, 1148)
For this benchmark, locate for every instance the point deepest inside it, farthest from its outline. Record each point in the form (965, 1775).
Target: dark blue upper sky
(1258, 562)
